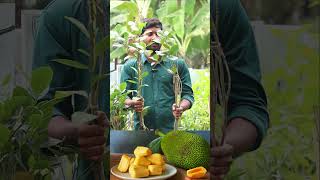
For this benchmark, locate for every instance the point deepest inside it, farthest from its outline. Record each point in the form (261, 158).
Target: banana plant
(189, 19)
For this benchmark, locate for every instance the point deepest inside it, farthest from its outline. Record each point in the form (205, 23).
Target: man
(248, 117)
(57, 38)
(159, 94)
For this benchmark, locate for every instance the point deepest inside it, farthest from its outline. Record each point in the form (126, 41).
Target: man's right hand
(137, 104)
(91, 138)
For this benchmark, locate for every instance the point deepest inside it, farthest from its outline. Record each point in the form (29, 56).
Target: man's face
(149, 35)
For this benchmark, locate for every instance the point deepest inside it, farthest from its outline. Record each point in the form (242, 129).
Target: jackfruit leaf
(79, 25)
(20, 91)
(118, 52)
(97, 78)
(4, 135)
(131, 81)
(34, 120)
(135, 70)
(102, 46)
(174, 49)
(71, 63)
(123, 86)
(84, 52)
(40, 79)
(82, 117)
(6, 80)
(63, 94)
(144, 74)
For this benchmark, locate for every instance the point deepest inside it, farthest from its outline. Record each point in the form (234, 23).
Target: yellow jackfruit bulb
(124, 163)
(156, 159)
(132, 161)
(142, 161)
(137, 171)
(142, 151)
(155, 169)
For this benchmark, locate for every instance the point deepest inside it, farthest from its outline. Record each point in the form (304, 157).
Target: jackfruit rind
(185, 150)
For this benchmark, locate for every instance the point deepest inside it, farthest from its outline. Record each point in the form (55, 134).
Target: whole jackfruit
(185, 150)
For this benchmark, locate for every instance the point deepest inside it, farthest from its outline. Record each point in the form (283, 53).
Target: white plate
(170, 171)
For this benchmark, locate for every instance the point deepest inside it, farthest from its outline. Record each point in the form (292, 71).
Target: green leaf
(20, 91)
(145, 74)
(84, 52)
(82, 117)
(34, 120)
(117, 53)
(63, 94)
(40, 79)
(123, 86)
(135, 70)
(131, 81)
(4, 135)
(79, 25)
(102, 46)
(6, 80)
(71, 63)
(174, 49)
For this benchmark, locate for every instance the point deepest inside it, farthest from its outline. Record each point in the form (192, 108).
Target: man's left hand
(177, 111)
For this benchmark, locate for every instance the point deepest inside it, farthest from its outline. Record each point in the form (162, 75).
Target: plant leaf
(82, 117)
(40, 79)
(63, 94)
(84, 52)
(135, 70)
(131, 81)
(6, 80)
(102, 46)
(79, 25)
(118, 52)
(4, 135)
(71, 63)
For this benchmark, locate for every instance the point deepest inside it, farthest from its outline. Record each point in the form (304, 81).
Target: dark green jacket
(159, 92)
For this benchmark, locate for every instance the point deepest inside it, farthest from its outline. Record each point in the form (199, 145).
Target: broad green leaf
(117, 53)
(102, 46)
(174, 49)
(20, 91)
(6, 80)
(71, 63)
(79, 25)
(84, 52)
(131, 81)
(34, 120)
(63, 94)
(4, 135)
(40, 79)
(82, 117)
(123, 86)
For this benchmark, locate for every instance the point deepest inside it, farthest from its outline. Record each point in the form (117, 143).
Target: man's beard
(154, 47)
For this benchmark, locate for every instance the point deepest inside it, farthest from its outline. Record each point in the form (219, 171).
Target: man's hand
(177, 111)
(137, 104)
(221, 159)
(91, 138)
